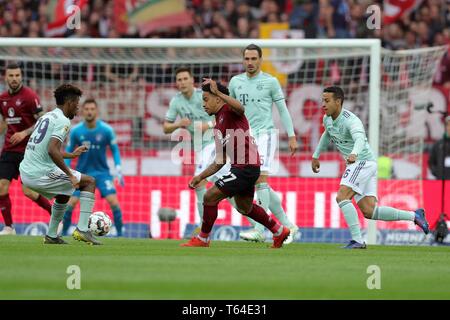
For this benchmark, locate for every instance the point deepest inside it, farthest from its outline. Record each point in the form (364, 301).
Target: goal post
(135, 103)
(374, 118)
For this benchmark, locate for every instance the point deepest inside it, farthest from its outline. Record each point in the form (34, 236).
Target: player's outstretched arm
(286, 120)
(169, 127)
(209, 171)
(19, 136)
(235, 105)
(360, 141)
(70, 147)
(206, 125)
(76, 153)
(359, 138)
(219, 162)
(323, 144)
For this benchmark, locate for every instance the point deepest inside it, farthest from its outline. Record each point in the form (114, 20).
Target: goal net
(133, 82)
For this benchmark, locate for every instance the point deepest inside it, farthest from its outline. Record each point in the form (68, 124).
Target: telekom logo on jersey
(233, 143)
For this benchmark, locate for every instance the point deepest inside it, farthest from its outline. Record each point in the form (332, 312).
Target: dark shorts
(9, 165)
(240, 181)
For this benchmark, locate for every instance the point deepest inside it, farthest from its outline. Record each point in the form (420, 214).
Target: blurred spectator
(410, 40)
(439, 162)
(304, 16)
(427, 25)
(229, 12)
(394, 38)
(106, 21)
(243, 11)
(82, 31)
(206, 12)
(269, 11)
(358, 21)
(423, 33)
(325, 25)
(243, 27)
(341, 18)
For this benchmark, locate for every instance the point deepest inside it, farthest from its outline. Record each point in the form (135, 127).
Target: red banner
(308, 203)
(395, 9)
(304, 104)
(150, 102)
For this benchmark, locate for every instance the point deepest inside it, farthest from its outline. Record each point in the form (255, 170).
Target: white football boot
(8, 231)
(252, 235)
(292, 235)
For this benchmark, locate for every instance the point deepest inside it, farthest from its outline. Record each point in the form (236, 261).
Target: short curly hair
(337, 92)
(220, 87)
(66, 92)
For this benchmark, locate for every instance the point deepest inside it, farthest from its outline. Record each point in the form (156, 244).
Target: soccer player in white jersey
(43, 168)
(187, 104)
(359, 179)
(258, 91)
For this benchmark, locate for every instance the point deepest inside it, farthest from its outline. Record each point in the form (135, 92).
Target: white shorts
(53, 184)
(267, 146)
(361, 177)
(207, 156)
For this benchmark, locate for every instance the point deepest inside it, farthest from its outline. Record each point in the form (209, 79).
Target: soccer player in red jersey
(233, 139)
(19, 110)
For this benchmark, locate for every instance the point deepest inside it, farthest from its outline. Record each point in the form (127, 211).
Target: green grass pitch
(160, 269)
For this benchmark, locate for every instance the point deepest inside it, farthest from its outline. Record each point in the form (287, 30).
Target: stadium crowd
(428, 25)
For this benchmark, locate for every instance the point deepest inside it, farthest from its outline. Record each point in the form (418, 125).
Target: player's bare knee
(344, 193)
(87, 183)
(341, 197)
(209, 199)
(367, 206)
(90, 182)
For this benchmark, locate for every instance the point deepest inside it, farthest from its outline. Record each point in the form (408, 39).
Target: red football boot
(195, 242)
(278, 240)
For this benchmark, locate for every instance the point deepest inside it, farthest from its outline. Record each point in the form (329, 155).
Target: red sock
(209, 217)
(259, 215)
(44, 204)
(5, 206)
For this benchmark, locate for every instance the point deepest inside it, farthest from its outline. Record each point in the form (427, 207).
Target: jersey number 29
(40, 131)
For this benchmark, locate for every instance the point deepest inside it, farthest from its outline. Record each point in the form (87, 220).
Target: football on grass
(99, 223)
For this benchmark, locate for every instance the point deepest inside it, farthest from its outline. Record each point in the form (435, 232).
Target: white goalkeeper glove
(119, 176)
